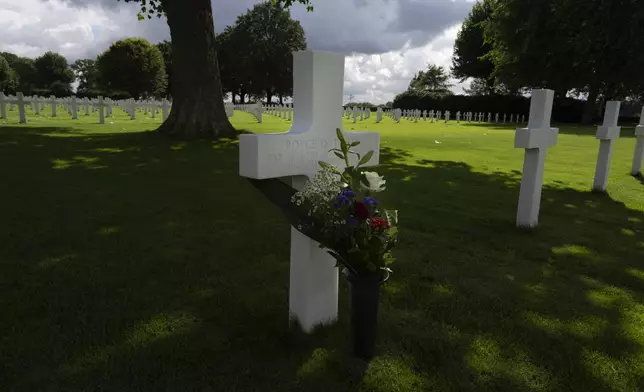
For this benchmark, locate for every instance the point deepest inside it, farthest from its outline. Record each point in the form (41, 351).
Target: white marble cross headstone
(638, 155)
(496, 119)
(607, 134)
(20, 101)
(101, 115)
(53, 103)
(536, 139)
(165, 108)
(318, 83)
(447, 116)
(458, 117)
(35, 103)
(74, 108)
(3, 105)
(379, 115)
(257, 111)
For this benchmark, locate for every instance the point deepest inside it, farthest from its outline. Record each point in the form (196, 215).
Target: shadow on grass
(132, 262)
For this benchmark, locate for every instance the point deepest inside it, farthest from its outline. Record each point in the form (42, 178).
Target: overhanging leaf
(366, 158)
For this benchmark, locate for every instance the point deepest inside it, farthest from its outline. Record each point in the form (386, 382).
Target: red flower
(379, 224)
(362, 212)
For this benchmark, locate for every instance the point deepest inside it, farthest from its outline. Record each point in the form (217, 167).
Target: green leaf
(366, 158)
(343, 143)
(354, 144)
(393, 231)
(337, 154)
(329, 166)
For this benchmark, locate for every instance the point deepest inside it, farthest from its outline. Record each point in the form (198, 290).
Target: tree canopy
(255, 54)
(433, 81)
(8, 77)
(196, 76)
(470, 48)
(165, 47)
(53, 73)
(583, 46)
(86, 72)
(134, 66)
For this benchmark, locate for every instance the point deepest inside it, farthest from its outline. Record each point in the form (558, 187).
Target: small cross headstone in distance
(607, 134)
(536, 139)
(100, 105)
(20, 101)
(317, 86)
(165, 107)
(638, 156)
(52, 100)
(3, 105)
(74, 108)
(35, 103)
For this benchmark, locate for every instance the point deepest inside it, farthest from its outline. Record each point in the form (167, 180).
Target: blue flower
(353, 222)
(342, 200)
(348, 193)
(370, 201)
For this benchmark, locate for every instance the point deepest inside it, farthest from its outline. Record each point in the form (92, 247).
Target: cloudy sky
(386, 41)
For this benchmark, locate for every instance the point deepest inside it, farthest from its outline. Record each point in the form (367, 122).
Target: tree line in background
(580, 48)
(255, 59)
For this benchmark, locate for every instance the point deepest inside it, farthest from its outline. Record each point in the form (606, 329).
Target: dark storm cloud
(345, 26)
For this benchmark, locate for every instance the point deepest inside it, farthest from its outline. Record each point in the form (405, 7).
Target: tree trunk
(590, 107)
(281, 99)
(198, 102)
(269, 98)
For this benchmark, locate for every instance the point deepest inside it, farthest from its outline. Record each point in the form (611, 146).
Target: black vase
(364, 291)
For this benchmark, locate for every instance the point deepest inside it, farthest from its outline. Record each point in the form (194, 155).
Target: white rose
(376, 182)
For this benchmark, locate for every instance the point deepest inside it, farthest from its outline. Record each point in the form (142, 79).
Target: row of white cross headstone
(318, 82)
(75, 106)
(285, 111)
(256, 109)
(436, 116)
(357, 113)
(538, 136)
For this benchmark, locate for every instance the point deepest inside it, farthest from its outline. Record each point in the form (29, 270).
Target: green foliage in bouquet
(343, 215)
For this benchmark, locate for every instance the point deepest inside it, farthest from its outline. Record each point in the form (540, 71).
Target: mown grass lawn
(130, 262)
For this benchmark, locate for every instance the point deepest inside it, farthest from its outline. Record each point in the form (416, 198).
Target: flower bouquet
(337, 209)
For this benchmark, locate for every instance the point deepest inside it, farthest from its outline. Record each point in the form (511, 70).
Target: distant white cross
(536, 139)
(607, 134)
(638, 155)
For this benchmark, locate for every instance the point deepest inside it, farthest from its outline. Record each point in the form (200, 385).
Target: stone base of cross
(607, 134)
(536, 139)
(317, 82)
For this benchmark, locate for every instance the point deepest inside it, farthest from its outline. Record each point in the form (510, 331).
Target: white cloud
(377, 78)
(386, 41)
